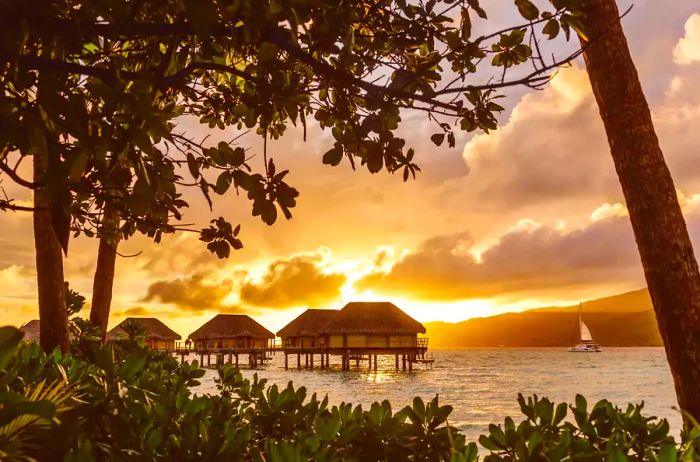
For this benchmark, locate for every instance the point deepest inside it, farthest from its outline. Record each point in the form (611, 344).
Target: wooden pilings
(307, 358)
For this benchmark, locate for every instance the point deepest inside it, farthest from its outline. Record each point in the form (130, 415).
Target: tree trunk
(666, 252)
(53, 317)
(104, 272)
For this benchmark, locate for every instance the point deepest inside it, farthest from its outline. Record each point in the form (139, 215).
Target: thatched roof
(308, 324)
(31, 331)
(152, 328)
(231, 326)
(372, 318)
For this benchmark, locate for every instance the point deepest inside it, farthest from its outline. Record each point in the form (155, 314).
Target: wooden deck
(405, 357)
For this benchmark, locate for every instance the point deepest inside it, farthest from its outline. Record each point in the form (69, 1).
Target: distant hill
(621, 320)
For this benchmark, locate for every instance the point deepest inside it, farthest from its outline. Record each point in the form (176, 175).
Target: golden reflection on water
(381, 377)
(482, 385)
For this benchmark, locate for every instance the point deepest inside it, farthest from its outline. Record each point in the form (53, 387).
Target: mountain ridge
(619, 320)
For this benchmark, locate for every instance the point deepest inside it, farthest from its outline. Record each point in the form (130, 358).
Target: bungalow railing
(221, 345)
(423, 342)
(291, 345)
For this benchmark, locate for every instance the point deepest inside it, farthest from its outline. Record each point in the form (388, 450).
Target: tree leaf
(333, 156)
(551, 29)
(437, 138)
(527, 9)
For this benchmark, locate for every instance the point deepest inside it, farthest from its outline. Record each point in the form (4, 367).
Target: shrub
(122, 402)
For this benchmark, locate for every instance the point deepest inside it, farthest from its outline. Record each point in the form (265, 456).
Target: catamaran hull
(586, 349)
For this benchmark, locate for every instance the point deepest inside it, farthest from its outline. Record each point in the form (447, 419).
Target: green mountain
(621, 320)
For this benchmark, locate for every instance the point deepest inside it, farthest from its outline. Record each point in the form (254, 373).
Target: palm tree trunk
(104, 272)
(53, 317)
(669, 263)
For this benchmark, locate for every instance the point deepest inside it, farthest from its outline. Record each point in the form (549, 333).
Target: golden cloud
(528, 259)
(687, 50)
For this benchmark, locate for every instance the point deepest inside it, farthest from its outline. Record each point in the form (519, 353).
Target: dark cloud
(529, 258)
(192, 293)
(293, 282)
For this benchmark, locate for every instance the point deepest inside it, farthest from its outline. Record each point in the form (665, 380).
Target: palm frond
(22, 432)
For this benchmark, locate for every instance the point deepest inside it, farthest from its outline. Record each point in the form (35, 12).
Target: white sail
(587, 344)
(585, 333)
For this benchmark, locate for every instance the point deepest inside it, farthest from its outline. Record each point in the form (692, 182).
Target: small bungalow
(158, 336)
(304, 330)
(232, 331)
(372, 325)
(31, 331)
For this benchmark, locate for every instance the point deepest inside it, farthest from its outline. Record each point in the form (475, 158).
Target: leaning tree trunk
(53, 317)
(666, 252)
(104, 272)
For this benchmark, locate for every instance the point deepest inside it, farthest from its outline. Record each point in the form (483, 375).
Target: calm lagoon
(482, 384)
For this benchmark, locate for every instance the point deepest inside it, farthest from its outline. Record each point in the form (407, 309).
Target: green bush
(122, 402)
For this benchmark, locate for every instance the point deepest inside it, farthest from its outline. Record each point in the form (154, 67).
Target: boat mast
(580, 322)
(573, 333)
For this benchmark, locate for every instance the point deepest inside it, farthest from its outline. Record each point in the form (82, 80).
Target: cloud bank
(296, 281)
(687, 50)
(529, 259)
(192, 293)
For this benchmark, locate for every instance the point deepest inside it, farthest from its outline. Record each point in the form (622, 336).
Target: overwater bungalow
(232, 331)
(157, 335)
(31, 331)
(305, 330)
(232, 335)
(360, 331)
(372, 325)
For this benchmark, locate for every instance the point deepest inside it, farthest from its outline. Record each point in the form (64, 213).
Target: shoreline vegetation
(94, 94)
(121, 401)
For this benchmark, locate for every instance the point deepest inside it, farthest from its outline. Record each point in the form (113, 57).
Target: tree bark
(53, 317)
(666, 252)
(104, 272)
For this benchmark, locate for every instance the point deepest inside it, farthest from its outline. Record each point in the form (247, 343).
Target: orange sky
(528, 215)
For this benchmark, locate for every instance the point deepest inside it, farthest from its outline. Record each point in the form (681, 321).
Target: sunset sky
(529, 215)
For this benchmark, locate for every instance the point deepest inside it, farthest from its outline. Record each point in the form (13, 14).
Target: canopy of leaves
(97, 89)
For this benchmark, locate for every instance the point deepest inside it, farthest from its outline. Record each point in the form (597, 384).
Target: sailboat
(586, 343)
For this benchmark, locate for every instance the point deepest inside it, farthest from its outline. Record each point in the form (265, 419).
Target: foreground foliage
(123, 402)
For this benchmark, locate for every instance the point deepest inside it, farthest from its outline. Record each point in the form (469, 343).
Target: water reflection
(482, 385)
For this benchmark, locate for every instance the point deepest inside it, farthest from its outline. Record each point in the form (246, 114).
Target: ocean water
(482, 384)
